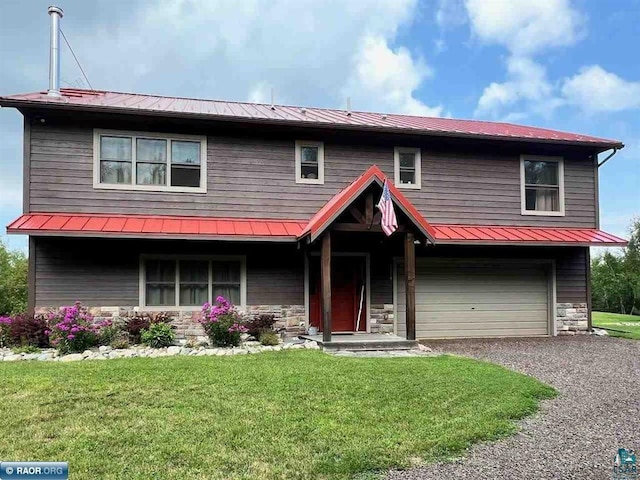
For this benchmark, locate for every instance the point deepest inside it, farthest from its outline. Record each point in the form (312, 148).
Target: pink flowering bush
(72, 329)
(222, 323)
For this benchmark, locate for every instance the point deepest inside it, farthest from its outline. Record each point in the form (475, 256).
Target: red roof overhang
(343, 199)
(514, 235)
(155, 226)
(208, 228)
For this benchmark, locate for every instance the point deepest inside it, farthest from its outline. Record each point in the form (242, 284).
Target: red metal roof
(291, 115)
(477, 234)
(148, 226)
(339, 202)
(207, 228)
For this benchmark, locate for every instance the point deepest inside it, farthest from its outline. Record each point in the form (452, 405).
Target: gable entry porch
(343, 240)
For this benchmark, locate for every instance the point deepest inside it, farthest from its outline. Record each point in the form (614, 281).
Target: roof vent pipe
(54, 53)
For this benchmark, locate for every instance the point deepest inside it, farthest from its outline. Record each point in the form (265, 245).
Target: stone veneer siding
(571, 318)
(288, 317)
(382, 318)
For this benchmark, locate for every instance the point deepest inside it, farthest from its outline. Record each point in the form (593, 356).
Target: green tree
(615, 277)
(13, 281)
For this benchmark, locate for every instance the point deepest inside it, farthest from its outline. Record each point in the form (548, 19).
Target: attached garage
(457, 298)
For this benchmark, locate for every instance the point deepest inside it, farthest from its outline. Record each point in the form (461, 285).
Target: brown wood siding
(571, 276)
(106, 272)
(254, 176)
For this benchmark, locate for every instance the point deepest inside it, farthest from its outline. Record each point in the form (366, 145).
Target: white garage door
(476, 298)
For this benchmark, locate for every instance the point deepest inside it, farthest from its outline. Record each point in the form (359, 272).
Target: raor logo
(624, 465)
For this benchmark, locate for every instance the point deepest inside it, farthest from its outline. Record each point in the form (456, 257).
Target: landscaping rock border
(141, 351)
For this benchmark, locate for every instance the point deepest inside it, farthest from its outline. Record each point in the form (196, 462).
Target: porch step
(363, 343)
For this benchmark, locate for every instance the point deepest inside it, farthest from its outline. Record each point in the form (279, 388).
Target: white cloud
(527, 87)
(594, 89)
(309, 52)
(525, 27)
(387, 79)
(450, 13)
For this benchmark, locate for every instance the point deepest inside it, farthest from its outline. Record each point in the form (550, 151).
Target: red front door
(347, 292)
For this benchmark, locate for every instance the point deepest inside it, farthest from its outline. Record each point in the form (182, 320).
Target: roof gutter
(615, 150)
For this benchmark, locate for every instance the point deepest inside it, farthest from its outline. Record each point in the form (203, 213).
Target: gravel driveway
(575, 435)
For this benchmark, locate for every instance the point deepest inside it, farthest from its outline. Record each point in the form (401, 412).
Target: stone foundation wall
(571, 318)
(382, 318)
(289, 317)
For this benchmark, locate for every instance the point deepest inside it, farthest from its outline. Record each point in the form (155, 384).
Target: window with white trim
(309, 158)
(146, 161)
(189, 282)
(542, 185)
(407, 167)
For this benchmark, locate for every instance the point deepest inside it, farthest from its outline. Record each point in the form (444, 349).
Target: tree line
(615, 277)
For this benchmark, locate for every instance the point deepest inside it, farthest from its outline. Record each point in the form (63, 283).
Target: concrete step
(366, 346)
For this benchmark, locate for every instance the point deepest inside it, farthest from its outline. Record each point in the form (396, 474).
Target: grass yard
(281, 415)
(612, 322)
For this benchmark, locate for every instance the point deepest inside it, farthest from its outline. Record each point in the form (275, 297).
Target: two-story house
(154, 203)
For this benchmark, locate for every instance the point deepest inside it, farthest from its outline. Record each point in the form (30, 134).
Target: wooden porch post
(325, 273)
(410, 284)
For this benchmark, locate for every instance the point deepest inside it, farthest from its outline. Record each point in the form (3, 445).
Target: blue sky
(554, 63)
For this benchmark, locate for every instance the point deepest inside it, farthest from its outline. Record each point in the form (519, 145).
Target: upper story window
(542, 185)
(407, 162)
(309, 162)
(146, 161)
(189, 282)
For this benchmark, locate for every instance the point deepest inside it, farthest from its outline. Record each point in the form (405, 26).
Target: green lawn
(612, 321)
(281, 415)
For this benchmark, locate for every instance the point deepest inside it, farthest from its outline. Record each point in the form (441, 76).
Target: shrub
(72, 329)
(158, 335)
(269, 338)
(142, 321)
(26, 349)
(119, 342)
(260, 324)
(5, 331)
(222, 323)
(23, 330)
(109, 332)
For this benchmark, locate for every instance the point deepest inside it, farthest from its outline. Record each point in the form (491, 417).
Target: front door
(347, 293)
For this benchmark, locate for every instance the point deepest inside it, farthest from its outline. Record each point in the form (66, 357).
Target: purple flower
(47, 332)
(70, 337)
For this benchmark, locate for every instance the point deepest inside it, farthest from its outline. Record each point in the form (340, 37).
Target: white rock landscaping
(141, 351)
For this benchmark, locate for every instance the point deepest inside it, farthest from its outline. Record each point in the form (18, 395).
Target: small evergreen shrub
(222, 323)
(158, 335)
(269, 338)
(259, 324)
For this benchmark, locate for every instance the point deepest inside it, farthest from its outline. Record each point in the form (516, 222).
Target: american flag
(388, 221)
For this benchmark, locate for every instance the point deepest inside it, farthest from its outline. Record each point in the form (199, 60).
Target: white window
(147, 161)
(170, 282)
(309, 162)
(542, 185)
(407, 163)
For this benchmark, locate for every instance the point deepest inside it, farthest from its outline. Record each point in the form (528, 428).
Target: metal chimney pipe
(54, 54)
